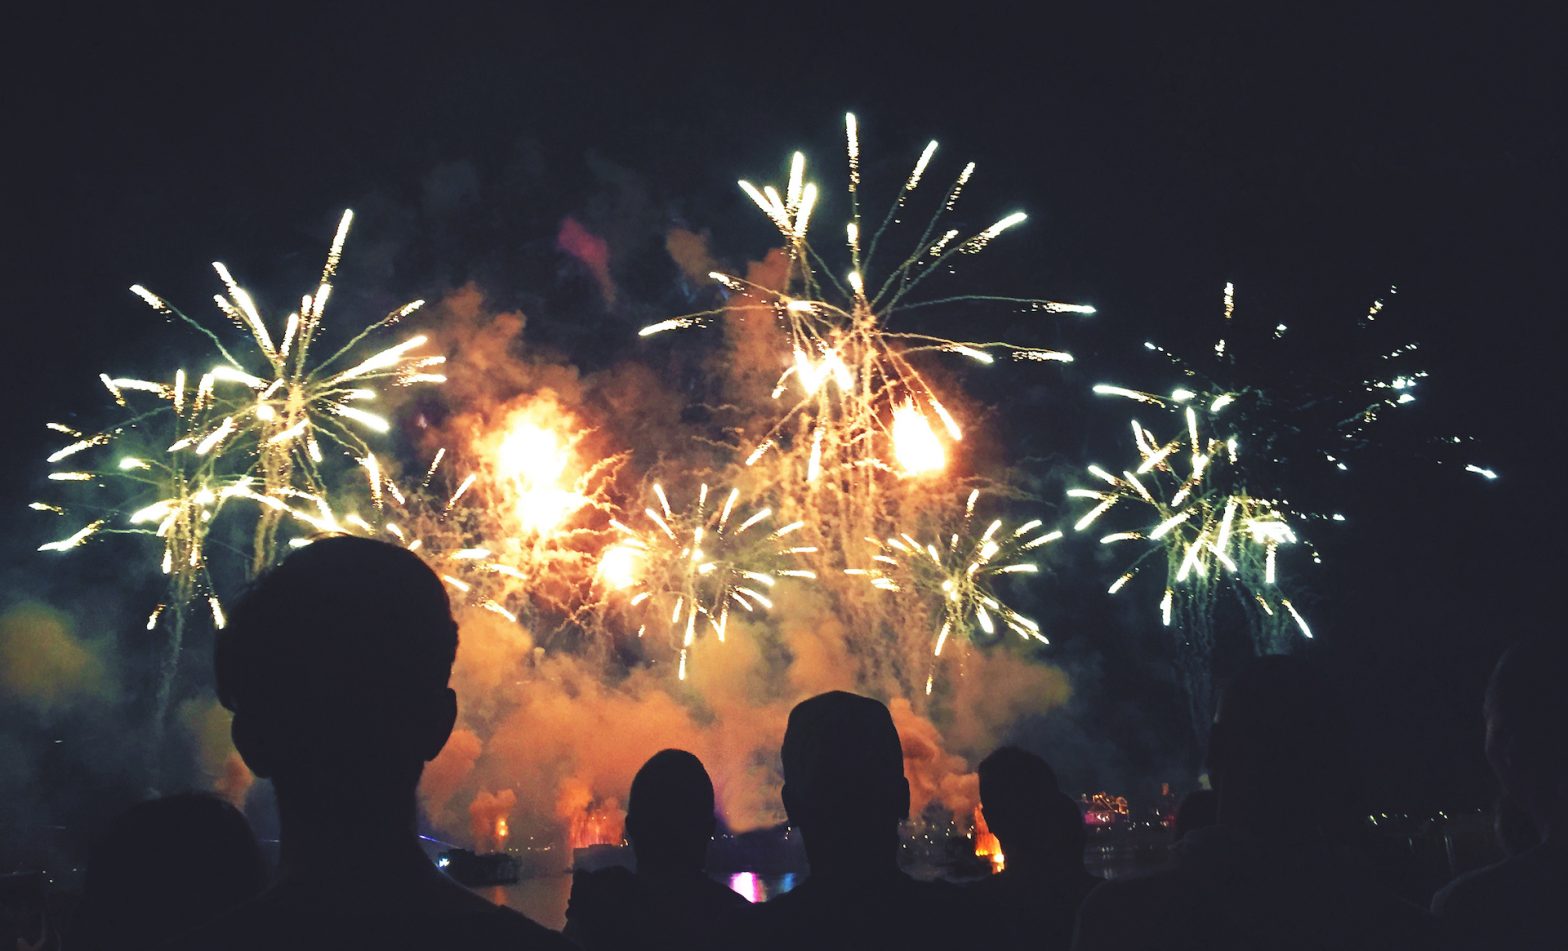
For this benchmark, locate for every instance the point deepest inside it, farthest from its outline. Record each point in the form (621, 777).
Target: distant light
(1482, 471)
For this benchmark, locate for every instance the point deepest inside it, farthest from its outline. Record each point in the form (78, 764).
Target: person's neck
(843, 857)
(1033, 863)
(1256, 814)
(323, 830)
(653, 868)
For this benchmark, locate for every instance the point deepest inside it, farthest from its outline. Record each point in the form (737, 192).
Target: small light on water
(746, 885)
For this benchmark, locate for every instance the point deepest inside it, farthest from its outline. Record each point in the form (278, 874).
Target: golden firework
(850, 394)
(1186, 505)
(276, 407)
(959, 572)
(688, 567)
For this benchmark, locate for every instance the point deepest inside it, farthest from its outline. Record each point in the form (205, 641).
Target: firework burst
(143, 477)
(159, 485)
(277, 406)
(850, 394)
(1187, 506)
(959, 572)
(688, 568)
(424, 517)
(1303, 415)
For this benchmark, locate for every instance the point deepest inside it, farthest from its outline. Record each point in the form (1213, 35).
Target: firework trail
(958, 572)
(689, 567)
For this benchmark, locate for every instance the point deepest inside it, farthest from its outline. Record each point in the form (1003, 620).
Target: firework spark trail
(1294, 410)
(958, 570)
(1215, 494)
(1186, 504)
(278, 406)
(159, 485)
(850, 389)
(423, 517)
(687, 568)
(160, 481)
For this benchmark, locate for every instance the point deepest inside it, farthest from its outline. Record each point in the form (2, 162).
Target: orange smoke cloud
(489, 814)
(445, 774)
(563, 731)
(935, 775)
(689, 251)
(42, 662)
(222, 769)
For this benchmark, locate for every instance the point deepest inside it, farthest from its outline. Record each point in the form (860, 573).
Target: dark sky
(1312, 158)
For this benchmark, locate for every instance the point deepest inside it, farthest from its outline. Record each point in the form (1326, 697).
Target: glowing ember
(915, 444)
(987, 845)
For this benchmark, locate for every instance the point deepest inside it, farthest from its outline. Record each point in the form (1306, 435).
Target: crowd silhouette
(336, 666)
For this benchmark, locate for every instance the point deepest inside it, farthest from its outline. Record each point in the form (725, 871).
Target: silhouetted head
(1015, 786)
(1199, 810)
(669, 815)
(335, 664)
(844, 775)
(167, 866)
(1282, 746)
(1526, 723)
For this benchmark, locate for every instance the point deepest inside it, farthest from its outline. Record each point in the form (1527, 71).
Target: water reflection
(759, 888)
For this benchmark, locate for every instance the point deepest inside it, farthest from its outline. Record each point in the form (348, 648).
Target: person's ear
(439, 723)
(252, 746)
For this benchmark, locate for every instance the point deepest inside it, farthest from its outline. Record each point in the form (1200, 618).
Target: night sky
(1313, 159)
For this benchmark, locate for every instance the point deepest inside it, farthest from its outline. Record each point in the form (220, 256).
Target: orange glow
(618, 567)
(915, 443)
(605, 825)
(502, 830)
(536, 461)
(987, 845)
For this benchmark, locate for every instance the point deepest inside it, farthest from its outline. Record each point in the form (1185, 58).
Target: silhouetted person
(668, 902)
(335, 665)
(1520, 901)
(1272, 873)
(1034, 900)
(165, 867)
(845, 793)
(1199, 809)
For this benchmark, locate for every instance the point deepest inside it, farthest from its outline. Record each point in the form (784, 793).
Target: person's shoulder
(1129, 913)
(289, 921)
(1164, 886)
(612, 886)
(1473, 890)
(1520, 878)
(506, 928)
